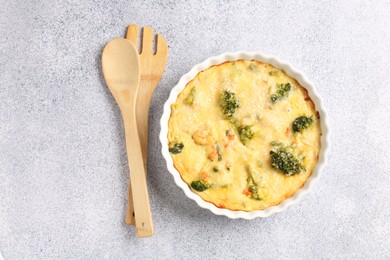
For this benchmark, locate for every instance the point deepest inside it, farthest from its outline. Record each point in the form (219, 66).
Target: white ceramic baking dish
(294, 73)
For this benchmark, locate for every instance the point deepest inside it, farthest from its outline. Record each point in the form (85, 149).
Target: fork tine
(162, 47)
(147, 40)
(132, 34)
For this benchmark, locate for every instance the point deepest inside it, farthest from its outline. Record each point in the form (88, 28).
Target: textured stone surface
(63, 169)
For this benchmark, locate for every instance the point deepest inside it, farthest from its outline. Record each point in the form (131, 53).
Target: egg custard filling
(244, 135)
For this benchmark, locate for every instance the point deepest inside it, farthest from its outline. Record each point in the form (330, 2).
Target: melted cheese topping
(197, 121)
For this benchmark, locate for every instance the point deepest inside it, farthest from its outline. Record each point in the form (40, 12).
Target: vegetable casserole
(244, 135)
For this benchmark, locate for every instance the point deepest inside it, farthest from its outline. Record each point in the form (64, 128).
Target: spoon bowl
(120, 66)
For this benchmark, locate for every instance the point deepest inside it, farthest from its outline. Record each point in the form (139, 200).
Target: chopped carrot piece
(287, 130)
(204, 176)
(225, 142)
(246, 192)
(231, 137)
(213, 155)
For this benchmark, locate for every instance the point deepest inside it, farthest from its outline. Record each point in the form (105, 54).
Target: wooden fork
(151, 68)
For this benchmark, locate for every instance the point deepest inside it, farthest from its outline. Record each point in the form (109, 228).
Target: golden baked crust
(228, 155)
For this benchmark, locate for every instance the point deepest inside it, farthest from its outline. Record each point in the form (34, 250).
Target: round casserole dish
(290, 71)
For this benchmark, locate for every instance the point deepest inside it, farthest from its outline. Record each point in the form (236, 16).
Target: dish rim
(289, 70)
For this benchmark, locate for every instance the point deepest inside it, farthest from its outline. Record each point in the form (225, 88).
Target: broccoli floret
(301, 123)
(252, 67)
(245, 133)
(199, 185)
(176, 148)
(189, 100)
(252, 187)
(229, 103)
(283, 90)
(285, 161)
(256, 196)
(219, 152)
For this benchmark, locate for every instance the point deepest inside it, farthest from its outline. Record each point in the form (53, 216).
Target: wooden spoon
(120, 64)
(151, 69)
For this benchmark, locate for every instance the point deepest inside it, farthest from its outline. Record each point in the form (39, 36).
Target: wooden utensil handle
(142, 115)
(141, 203)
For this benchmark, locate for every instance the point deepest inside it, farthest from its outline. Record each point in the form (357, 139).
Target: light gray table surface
(63, 166)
